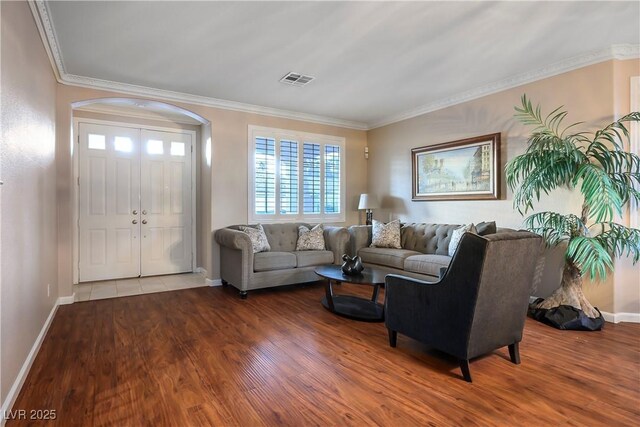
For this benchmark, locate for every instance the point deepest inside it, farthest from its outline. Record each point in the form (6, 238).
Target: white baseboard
(214, 282)
(621, 317)
(26, 366)
(200, 270)
(67, 300)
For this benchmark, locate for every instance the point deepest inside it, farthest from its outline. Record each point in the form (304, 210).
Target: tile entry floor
(91, 291)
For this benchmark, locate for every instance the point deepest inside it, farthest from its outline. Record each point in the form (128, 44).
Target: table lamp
(368, 202)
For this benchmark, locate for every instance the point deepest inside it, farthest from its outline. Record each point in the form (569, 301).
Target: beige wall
(227, 177)
(586, 93)
(29, 234)
(627, 278)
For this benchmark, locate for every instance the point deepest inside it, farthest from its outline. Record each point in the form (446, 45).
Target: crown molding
(167, 95)
(40, 13)
(620, 52)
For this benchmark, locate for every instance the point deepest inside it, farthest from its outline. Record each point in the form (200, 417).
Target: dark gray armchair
(479, 304)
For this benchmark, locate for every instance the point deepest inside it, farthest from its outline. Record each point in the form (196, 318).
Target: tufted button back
(427, 238)
(283, 237)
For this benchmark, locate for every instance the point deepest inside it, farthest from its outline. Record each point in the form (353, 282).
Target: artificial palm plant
(608, 177)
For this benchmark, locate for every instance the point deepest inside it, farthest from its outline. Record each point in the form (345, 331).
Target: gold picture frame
(466, 169)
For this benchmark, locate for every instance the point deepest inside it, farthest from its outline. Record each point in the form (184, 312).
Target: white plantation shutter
(294, 180)
(288, 177)
(311, 178)
(331, 179)
(265, 176)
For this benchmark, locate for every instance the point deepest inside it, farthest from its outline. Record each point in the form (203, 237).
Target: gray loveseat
(282, 265)
(424, 250)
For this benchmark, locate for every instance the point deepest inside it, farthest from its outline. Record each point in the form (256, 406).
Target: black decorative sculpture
(352, 266)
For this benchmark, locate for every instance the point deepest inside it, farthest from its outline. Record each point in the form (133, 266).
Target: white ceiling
(374, 62)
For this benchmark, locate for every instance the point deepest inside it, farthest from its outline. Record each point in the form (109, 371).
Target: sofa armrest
(360, 237)
(233, 239)
(337, 241)
(236, 257)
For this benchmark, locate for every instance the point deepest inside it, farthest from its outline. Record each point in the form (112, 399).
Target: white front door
(135, 202)
(166, 202)
(109, 199)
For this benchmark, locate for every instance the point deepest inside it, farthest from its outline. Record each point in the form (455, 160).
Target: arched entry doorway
(137, 164)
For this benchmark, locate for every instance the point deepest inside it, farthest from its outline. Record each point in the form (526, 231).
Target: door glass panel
(177, 148)
(96, 142)
(123, 143)
(155, 146)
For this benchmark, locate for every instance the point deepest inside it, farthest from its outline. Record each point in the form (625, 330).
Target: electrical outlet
(48, 290)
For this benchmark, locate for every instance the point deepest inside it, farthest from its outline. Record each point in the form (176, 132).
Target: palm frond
(533, 173)
(550, 124)
(614, 132)
(599, 191)
(589, 254)
(619, 240)
(554, 227)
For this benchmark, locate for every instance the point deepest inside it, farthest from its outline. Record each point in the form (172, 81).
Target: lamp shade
(368, 201)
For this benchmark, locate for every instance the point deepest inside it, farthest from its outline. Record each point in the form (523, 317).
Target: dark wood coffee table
(351, 306)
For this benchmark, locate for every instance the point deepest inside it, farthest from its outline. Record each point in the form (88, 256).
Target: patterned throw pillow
(258, 238)
(310, 240)
(386, 235)
(457, 236)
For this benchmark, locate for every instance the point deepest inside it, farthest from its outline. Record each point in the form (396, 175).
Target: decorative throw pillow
(310, 240)
(485, 228)
(258, 238)
(386, 235)
(457, 236)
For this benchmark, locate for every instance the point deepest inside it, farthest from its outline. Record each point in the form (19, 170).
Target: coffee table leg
(376, 289)
(329, 294)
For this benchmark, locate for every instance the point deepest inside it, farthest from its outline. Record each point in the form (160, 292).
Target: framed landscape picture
(468, 169)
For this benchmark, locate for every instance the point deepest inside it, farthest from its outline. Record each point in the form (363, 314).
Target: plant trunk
(570, 293)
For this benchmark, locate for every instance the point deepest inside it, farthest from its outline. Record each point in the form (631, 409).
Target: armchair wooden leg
(464, 367)
(514, 353)
(393, 338)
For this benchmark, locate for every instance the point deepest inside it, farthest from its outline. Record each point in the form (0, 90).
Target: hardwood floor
(204, 357)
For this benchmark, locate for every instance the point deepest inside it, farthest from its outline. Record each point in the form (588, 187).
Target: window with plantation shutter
(295, 176)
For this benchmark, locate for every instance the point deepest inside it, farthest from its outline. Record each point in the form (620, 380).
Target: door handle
(135, 212)
(135, 221)
(144, 221)
(144, 212)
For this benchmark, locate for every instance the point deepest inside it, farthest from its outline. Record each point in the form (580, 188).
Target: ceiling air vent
(296, 79)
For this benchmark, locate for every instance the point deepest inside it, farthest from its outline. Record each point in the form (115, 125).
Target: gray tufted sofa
(424, 250)
(282, 265)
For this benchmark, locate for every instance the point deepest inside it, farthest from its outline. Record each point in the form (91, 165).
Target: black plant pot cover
(566, 317)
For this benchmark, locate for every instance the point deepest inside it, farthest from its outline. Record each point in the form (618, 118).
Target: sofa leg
(514, 353)
(393, 338)
(224, 283)
(464, 367)
(243, 294)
